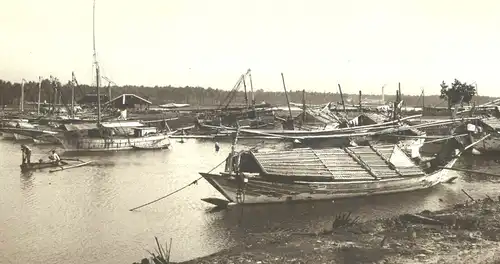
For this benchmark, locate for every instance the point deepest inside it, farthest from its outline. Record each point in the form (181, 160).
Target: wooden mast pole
(342, 98)
(251, 89)
(286, 95)
(21, 103)
(39, 93)
(98, 90)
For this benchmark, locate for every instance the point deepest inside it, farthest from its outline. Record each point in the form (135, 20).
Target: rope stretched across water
(178, 190)
(185, 186)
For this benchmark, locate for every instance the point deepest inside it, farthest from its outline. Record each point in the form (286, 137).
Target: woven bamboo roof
(354, 163)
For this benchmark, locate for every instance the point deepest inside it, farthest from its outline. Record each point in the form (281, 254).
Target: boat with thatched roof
(308, 174)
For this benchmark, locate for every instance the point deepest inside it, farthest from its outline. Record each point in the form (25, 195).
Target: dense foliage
(458, 93)
(10, 93)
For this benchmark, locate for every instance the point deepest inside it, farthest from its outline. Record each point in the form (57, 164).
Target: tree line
(52, 90)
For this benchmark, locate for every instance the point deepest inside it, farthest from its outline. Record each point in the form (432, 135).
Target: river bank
(466, 233)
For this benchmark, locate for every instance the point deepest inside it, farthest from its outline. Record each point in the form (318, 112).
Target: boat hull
(39, 166)
(115, 144)
(260, 191)
(7, 135)
(20, 137)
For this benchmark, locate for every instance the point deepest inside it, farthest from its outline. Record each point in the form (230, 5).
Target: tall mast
(21, 103)
(423, 100)
(303, 106)
(286, 95)
(360, 100)
(245, 88)
(73, 94)
(98, 91)
(342, 98)
(251, 88)
(39, 93)
(98, 96)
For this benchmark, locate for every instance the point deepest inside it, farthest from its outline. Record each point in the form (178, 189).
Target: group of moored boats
(370, 154)
(331, 154)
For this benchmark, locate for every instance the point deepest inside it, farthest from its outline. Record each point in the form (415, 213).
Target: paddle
(71, 159)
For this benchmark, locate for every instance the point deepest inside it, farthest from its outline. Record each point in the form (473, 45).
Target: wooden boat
(40, 165)
(20, 137)
(315, 133)
(7, 135)
(306, 174)
(30, 133)
(112, 136)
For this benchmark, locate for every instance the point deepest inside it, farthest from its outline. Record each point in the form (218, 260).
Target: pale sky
(361, 44)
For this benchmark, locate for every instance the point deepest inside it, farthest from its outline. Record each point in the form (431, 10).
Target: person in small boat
(217, 147)
(26, 154)
(54, 157)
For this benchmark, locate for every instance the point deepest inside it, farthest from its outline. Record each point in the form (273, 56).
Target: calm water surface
(82, 215)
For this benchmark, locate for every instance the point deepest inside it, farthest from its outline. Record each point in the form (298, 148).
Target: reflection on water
(82, 215)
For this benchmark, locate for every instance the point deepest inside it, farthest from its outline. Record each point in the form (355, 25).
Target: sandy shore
(466, 233)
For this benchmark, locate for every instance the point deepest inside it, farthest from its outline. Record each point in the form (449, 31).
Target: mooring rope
(185, 186)
(176, 191)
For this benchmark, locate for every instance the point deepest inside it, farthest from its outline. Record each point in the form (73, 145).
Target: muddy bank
(466, 233)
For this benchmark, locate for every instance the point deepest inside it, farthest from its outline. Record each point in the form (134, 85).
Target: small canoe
(40, 165)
